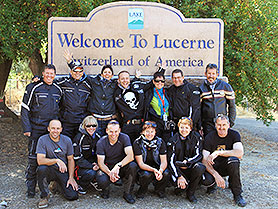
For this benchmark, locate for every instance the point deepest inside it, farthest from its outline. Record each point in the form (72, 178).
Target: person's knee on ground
(70, 194)
(86, 177)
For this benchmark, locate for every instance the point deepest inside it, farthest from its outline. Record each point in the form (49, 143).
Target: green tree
(250, 45)
(23, 28)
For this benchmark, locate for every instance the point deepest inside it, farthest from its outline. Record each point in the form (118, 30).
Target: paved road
(257, 128)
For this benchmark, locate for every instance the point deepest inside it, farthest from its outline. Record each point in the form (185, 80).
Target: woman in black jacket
(158, 106)
(151, 156)
(84, 144)
(185, 156)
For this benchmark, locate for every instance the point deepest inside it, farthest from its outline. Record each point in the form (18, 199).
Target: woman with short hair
(185, 156)
(84, 144)
(151, 156)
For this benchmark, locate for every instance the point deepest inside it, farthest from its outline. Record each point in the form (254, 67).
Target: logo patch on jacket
(136, 86)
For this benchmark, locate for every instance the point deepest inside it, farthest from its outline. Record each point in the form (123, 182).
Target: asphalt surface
(257, 128)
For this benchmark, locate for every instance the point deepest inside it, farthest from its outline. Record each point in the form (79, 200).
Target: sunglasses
(186, 118)
(78, 71)
(150, 124)
(157, 81)
(91, 125)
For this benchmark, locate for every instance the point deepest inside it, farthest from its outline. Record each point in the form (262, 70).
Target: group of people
(96, 131)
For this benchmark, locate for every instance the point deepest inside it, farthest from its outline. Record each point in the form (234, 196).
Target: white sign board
(136, 35)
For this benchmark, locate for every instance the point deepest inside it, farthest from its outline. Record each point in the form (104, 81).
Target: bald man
(56, 163)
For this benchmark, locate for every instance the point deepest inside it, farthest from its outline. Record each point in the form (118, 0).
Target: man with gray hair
(217, 97)
(221, 155)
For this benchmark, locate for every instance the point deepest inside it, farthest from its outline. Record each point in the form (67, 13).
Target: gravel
(258, 173)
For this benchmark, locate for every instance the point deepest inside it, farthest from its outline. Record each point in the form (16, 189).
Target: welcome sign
(136, 35)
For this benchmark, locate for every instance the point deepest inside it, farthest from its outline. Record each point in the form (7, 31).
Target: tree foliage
(250, 45)
(23, 23)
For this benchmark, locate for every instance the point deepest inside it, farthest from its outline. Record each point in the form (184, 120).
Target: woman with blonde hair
(84, 144)
(185, 156)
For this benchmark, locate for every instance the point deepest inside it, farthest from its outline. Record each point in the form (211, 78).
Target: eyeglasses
(78, 70)
(91, 125)
(151, 124)
(157, 81)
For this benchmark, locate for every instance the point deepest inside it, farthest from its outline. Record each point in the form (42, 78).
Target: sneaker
(129, 198)
(104, 194)
(212, 189)
(43, 203)
(96, 186)
(81, 190)
(192, 198)
(240, 201)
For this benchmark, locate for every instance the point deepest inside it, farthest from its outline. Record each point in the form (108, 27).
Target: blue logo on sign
(135, 18)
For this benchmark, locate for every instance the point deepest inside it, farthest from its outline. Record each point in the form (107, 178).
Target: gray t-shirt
(54, 150)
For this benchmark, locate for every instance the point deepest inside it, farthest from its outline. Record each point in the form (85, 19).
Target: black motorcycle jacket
(217, 101)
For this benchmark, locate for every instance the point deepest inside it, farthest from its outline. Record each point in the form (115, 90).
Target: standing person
(185, 155)
(222, 151)
(216, 97)
(151, 156)
(129, 99)
(56, 163)
(101, 104)
(115, 160)
(84, 145)
(158, 106)
(186, 99)
(76, 95)
(40, 105)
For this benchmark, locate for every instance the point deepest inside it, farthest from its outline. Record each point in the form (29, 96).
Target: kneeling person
(185, 159)
(151, 155)
(115, 159)
(56, 163)
(84, 145)
(222, 151)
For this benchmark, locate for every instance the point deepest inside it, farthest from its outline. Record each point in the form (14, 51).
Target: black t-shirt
(149, 160)
(113, 153)
(214, 142)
